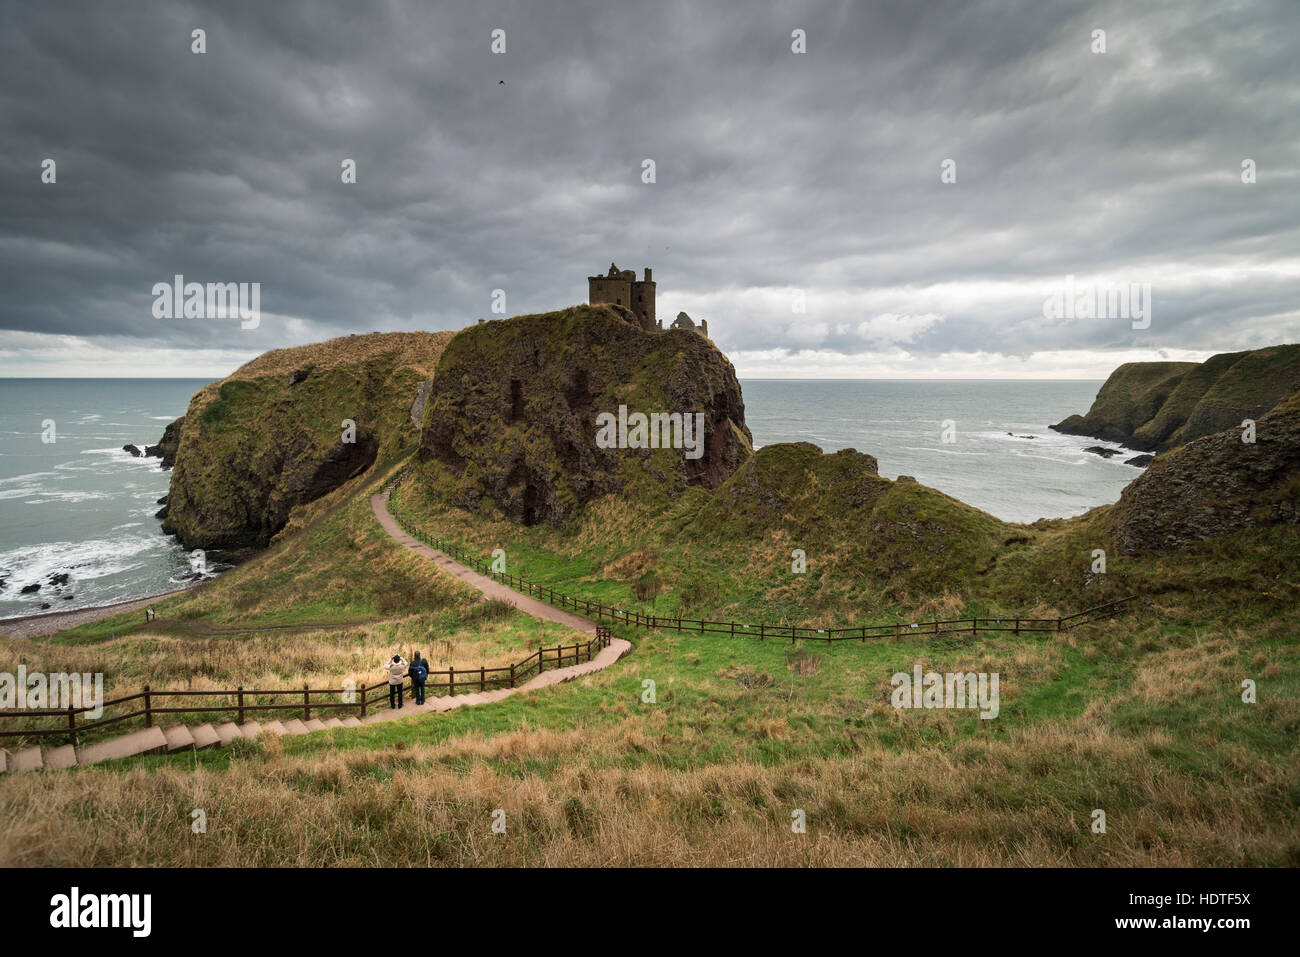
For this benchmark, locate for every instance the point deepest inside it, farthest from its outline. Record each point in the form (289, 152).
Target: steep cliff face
(272, 436)
(1156, 406)
(1215, 485)
(514, 412)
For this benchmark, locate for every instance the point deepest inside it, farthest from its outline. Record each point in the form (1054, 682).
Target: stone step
(251, 729)
(294, 726)
(275, 727)
(351, 721)
(178, 738)
(29, 759)
(144, 741)
(332, 723)
(205, 736)
(315, 724)
(59, 759)
(228, 732)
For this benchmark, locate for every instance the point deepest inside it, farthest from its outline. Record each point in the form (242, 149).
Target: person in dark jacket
(419, 672)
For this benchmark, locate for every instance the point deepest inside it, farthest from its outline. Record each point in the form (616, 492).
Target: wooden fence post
(72, 725)
(239, 704)
(512, 674)
(451, 681)
(148, 709)
(482, 678)
(363, 699)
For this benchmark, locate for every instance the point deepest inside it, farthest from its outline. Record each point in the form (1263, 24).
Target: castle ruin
(621, 288)
(684, 321)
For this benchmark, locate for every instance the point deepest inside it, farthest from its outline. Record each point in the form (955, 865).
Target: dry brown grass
(417, 350)
(964, 807)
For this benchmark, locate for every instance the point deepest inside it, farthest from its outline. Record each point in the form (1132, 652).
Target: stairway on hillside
(197, 738)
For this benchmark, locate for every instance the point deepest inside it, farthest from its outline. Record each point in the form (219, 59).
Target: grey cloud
(818, 171)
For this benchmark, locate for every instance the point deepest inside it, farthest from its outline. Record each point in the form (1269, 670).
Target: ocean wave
(925, 448)
(74, 496)
(27, 477)
(18, 492)
(86, 560)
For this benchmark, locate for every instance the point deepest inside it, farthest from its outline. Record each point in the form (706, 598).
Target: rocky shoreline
(40, 626)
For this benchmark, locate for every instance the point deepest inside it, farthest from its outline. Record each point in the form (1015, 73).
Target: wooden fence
(761, 632)
(241, 702)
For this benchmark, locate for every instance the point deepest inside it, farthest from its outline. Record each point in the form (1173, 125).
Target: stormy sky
(777, 174)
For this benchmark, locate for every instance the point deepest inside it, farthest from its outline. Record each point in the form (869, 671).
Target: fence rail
(243, 701)
(760, 631)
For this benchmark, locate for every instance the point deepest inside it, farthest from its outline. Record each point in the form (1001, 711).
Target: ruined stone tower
(621, 287)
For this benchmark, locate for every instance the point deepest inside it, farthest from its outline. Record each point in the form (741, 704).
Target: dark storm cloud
(775, 171)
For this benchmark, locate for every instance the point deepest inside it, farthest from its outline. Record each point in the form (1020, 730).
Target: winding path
(182, 738)
(490, 587)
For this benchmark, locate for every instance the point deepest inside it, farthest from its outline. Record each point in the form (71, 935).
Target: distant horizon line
(185, 378)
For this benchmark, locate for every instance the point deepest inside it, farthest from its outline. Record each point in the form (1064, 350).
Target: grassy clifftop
(1156, 406)
(271, 436)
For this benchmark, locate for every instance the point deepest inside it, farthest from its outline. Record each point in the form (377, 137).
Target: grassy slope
(740, 736)
(872, 546)
(328, 603)
(1140, 717)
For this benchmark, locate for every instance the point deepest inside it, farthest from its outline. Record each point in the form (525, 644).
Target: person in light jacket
(396, 677)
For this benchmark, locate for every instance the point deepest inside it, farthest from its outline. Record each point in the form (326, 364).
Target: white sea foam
(19, 479)
(87, 560)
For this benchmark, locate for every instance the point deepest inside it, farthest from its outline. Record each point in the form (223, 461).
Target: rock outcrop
(168, 445)
(1215, 485)
(287, 428)
(1156, 406)
(419, 402)
(513, 412)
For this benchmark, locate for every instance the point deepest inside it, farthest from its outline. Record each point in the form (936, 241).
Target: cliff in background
(270, 436)
(512, 413)
(1157, 406)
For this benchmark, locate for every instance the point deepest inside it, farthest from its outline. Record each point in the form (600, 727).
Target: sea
(81, 506)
